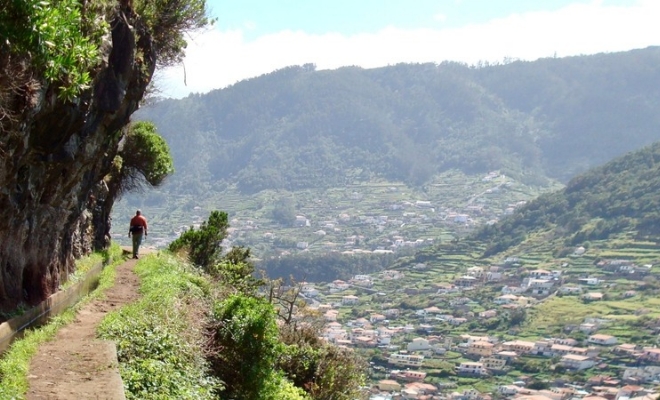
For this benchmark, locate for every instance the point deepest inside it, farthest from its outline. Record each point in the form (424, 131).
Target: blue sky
(356, 16)
(253, 37)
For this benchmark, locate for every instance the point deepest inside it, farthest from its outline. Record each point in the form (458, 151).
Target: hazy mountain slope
(594, 108)
(618, 197)
(298, 127)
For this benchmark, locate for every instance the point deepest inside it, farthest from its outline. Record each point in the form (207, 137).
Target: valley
(524, 324)
(380, 218)
(462, 235)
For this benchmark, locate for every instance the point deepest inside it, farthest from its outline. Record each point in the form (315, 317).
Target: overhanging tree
(143, 160)
(69, 83)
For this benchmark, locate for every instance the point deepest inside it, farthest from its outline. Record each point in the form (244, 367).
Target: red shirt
(139, 220)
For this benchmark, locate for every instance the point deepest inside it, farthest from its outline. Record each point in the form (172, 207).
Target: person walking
(138, 228)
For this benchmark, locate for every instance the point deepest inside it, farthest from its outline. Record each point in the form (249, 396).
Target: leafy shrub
(168, 20)
(50, 32)
(244, 345)
(324, 370)
(203, 245)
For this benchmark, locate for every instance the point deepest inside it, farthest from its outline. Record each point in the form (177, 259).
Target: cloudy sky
(254, 37)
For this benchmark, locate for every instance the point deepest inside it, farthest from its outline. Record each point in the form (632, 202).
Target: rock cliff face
(54, 155)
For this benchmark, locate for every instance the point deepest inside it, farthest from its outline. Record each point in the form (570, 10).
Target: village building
(543, 348)
(645, 374)
(593, 296)
(651, 354)
(389, 385)
(409, 360)
(408, 375)
(573, 361)
(507, 355)
(471, 368)
(482, 348)
(418, 344)
(627, 348)
(601, 339)
(493, 363)
(519, 346)
(422, 388)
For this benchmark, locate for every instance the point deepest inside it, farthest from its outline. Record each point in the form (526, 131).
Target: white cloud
(217, 59)
(440, 17)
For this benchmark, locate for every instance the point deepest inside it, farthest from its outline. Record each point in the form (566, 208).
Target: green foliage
(324, 370)
(517, 316)
(244, 345)
(325, 267)
(616, 197)
(49, 32)
(144, 158)
(158, 345)
(237, 273)
(168, 21)
(281, 388)
(203, 245)
(284, 211)
(539, 385)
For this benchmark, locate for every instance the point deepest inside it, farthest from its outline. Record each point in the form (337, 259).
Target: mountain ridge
(298, 127)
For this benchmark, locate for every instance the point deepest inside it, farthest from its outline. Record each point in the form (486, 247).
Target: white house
(589, 281)
(604, 340)
(418, 344)
(301, 221)
(644, 374)
(508, 390)
(471, 368)
(349, 300)
(493, 276)
(539, 287)
(475, 271)
(579, 363)
(513, 290)
(410, 360)
(540, 274)
(543, 348)
(310, 291)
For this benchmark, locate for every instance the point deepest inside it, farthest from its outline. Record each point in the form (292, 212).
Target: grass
(560, 311)
(15, 363)
(159, 338)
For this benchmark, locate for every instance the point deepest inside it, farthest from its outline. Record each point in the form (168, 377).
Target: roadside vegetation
(207, 327)
(15, 363)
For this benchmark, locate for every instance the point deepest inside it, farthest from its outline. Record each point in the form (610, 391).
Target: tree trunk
(53, 158)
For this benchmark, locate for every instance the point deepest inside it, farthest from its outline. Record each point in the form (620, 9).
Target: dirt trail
(77, 365)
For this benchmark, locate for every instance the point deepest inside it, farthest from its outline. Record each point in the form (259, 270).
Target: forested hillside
(299, 127)
(619, 197)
